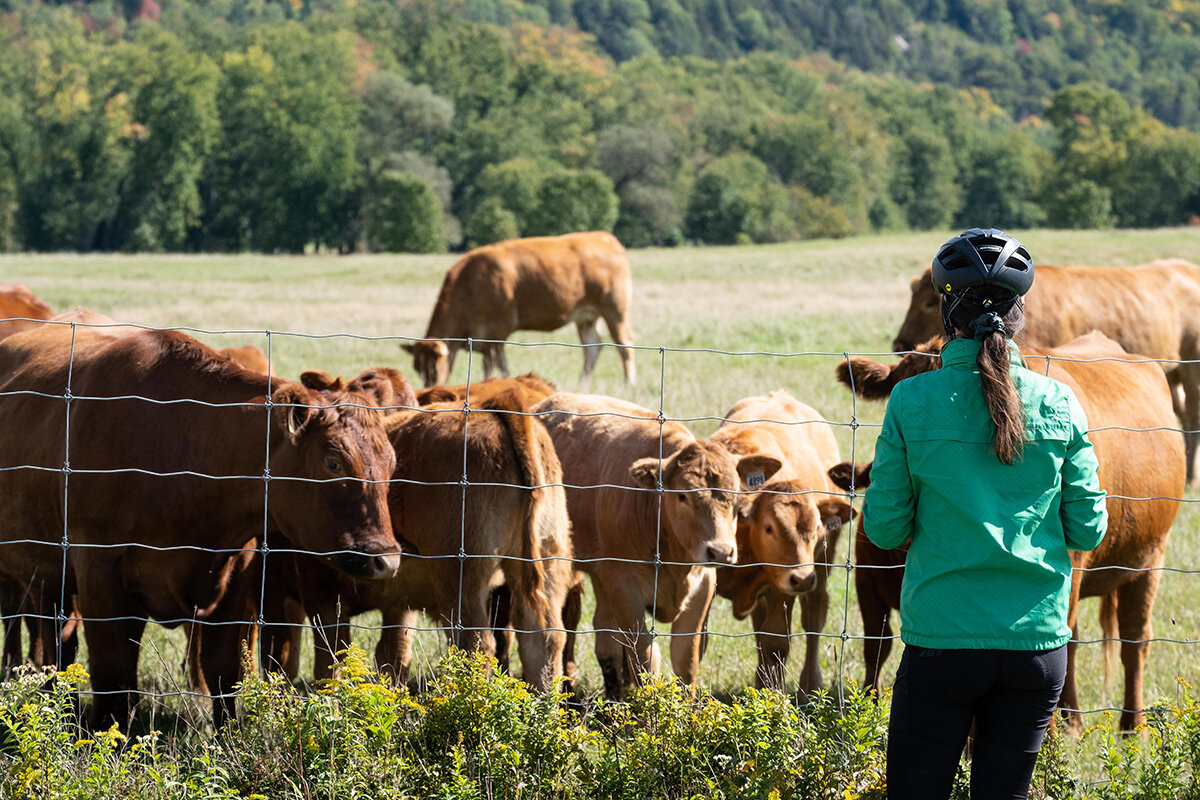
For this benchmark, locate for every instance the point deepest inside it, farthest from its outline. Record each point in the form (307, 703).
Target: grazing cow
(1128, 405)
(19, 307)
(511, 526)
(535, 284)
(169, 446)
(1149, 309)
(787, 532)
(646, 551)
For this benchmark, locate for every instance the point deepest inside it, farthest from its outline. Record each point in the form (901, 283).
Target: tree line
(424, 125)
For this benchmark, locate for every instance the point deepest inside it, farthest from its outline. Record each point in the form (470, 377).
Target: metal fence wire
(840, 631)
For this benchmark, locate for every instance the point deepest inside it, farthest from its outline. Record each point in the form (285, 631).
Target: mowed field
(713, 325)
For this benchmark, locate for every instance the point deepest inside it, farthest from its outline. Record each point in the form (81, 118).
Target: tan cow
(787, 532)
(169, 447)
(535, 284)
(1150, 309)
(19, 307)
(510, 524)
(1128, 406)
(615, 456)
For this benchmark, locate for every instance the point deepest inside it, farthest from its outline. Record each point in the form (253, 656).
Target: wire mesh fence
(492, 561)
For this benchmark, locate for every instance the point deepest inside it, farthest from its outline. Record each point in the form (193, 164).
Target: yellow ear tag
(947, 287)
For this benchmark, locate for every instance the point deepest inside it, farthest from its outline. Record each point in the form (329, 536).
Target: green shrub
(477, 733)
(491, 222)
(405, 216)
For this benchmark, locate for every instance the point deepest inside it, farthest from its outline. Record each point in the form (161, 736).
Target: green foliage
(405, 216)
(491, 222)
(475, 732)
(574, 200)
(735, 200)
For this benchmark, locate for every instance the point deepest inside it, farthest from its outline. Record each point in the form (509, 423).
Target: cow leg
(687, 631)
(877, 628)
(1068, 701)
(772, 625)
(571, 614)
(114, 634)
(814, 610)
(11, 595)
(1135, 600)
(221, 662)
(393, 654)
(622, 333)
(500, 612)
(1190, 382)
(541, 634)
(281, 632)
(466, 608)
(589, 334)
(623, 645)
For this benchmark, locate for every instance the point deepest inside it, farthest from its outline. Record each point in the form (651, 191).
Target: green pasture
(712, 324)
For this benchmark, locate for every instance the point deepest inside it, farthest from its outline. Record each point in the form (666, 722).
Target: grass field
(713, 325)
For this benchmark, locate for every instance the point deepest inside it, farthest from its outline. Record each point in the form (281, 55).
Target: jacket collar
(965, 352)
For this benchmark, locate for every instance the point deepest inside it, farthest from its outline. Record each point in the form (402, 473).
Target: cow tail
(527, 457)
(1110, 632)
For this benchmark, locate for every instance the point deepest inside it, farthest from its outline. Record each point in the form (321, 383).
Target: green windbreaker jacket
(987, 566)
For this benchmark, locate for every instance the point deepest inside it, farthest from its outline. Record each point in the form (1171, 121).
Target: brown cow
(1149, 309)
(535, 388)
(535, 284)
(1128, 405)
(19, 307)
(787, 532)
(615, 455)
(157, 432)
(511, 526)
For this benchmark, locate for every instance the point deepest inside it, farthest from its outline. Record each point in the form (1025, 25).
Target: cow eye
(683, 498)
(333, 465)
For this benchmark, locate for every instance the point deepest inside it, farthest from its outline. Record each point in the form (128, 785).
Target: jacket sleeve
(1083, 510)
(889, 505)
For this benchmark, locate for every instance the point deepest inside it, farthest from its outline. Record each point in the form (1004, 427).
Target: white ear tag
(755, 480)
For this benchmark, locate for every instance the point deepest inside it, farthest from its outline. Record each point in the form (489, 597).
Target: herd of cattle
(149, 476)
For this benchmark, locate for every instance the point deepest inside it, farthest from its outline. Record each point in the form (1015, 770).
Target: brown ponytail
(999, 393)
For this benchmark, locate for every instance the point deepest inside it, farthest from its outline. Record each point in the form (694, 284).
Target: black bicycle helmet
(983, 261)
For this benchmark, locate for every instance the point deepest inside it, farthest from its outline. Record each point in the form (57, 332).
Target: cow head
(700, 508)
(330, 465)
(790, 530)
(871, 380)
(431, 360)
(924, 319)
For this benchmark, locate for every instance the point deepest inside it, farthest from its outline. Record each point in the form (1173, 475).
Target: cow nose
(899, 346)
(802, 583)
(721, 553)
(369, 565)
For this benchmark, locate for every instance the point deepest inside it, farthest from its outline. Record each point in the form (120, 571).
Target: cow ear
(645, 472)
(292, 410)
(320, 381)
(386, 386)
(745, 506)
(835, 512)
(847, 475)
(756, 470)
(408, 348)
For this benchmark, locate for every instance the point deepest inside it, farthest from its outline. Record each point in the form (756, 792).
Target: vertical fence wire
(60, 615)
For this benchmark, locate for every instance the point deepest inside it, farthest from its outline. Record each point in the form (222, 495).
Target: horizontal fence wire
(265, 545)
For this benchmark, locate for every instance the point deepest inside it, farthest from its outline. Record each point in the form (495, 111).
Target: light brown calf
(615, 455)
(787, 532)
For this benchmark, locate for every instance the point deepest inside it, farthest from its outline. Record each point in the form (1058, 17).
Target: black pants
(1010, 695)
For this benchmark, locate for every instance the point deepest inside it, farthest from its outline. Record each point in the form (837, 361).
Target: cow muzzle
(369, 562)
(798, 581)
(721, 552)
(900, 346)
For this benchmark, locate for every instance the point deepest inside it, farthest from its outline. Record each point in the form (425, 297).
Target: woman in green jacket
(985, 468)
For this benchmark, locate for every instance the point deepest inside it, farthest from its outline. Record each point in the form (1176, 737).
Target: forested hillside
(421, 125)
